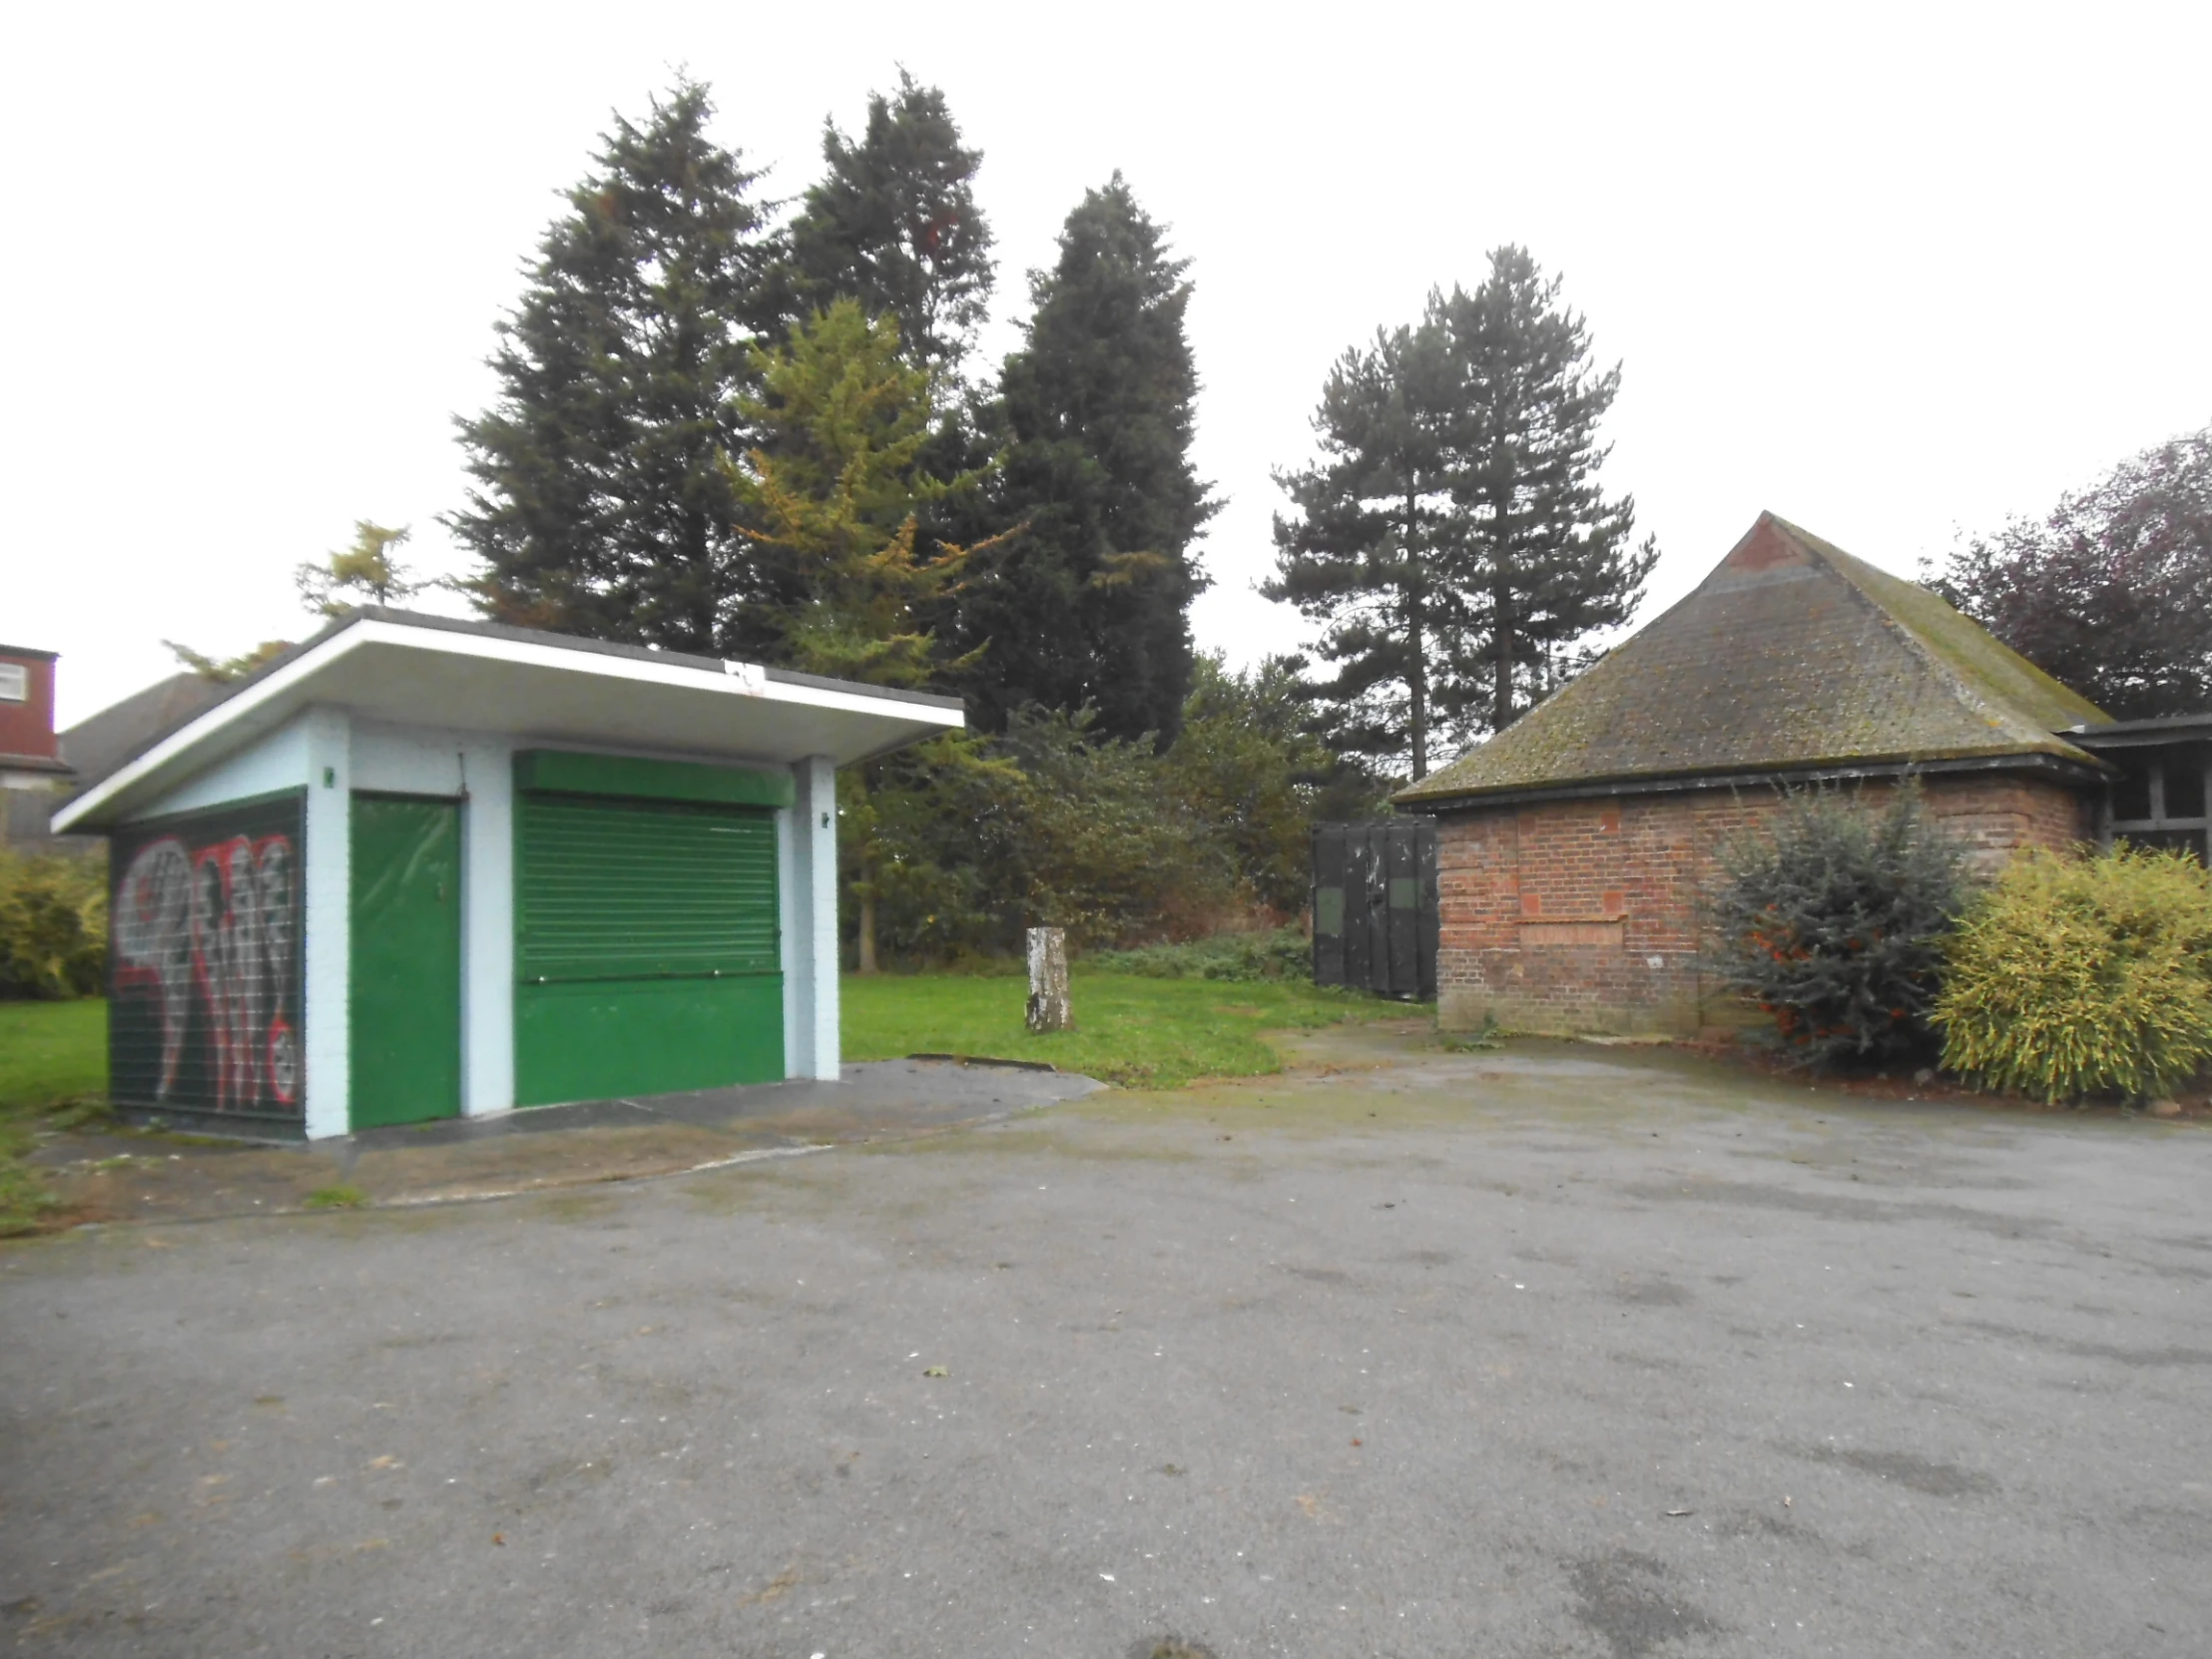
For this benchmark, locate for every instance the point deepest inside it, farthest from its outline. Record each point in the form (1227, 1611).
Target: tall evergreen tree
(1542, 556)
(893, 223)
(601, 506)
(1359, 554)
(835, 488)
(1090, 603)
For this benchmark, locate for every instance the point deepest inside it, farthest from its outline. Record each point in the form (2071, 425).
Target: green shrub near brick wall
(2078, 976)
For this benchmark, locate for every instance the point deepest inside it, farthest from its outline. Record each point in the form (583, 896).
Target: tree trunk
(1048, 981)
(1416, 653)
(868, 919)
(865, 886)
(1501, 621)
(1501, 684)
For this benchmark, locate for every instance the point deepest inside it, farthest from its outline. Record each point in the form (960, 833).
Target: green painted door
(648, 956)
(405, 994)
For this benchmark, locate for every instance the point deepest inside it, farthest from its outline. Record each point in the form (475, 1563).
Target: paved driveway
(1554, 1352)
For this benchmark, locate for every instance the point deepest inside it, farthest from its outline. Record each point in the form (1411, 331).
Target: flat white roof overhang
(480, 677)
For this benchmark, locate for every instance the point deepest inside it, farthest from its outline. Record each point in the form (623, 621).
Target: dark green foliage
(1359, 557)
(894, 225)
(1540, 553)
(1089, 605)
(2111, 593)
(602, 507)
(1832, 917)
(1271, 953)
(1453, 539)
(1249, 769)
(53, 924)
(972, 838)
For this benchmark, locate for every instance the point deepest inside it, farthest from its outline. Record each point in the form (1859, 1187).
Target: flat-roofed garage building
(418, 867)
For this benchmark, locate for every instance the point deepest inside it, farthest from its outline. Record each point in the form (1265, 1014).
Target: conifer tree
(1090, 603)
(1359, 554)
(834, 487)
(893, 223)
(1540, 554)
(601, 505)
(833, 495)
(363, 573)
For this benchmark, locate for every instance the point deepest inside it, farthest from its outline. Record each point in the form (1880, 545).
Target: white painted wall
(328, 922)
(811, 1048)
(331, 754)
(276, 762)
(477, 768)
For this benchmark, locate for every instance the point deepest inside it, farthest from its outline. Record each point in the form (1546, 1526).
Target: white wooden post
(1048, 981)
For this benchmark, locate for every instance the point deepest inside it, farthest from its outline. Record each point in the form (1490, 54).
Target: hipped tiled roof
(1791, 655)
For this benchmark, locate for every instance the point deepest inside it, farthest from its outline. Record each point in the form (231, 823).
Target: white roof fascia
(735, 680)
(202, 726)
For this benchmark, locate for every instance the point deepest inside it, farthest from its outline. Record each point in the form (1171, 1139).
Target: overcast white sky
(1890, 271)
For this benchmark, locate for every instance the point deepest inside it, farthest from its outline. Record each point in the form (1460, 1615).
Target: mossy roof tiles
(1792, 654)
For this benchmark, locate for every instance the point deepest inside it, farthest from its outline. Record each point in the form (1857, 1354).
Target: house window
(15, 683)
(2184, 790)
(2162, 803)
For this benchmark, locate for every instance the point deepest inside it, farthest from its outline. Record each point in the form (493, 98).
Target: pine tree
(603, 508)
(834, 487)
(363, 573)
(1542, 555)
(1090, 603)
(895, 226)
(1359, 557)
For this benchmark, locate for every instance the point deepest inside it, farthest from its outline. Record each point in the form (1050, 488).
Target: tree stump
(1048, 981)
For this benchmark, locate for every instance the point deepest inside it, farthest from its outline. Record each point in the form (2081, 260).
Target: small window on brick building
(15, 683)
(2184, 789)
(2131, 795)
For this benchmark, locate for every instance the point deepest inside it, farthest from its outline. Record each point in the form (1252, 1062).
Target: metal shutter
(638, 889)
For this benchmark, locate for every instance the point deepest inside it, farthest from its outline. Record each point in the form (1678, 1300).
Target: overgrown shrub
(2082, 976)
(53, 924)
(1831, 916)
(958, 845)
(1274, 954)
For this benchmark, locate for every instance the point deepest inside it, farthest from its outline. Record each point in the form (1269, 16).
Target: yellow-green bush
(2074, 976)
(53, 924)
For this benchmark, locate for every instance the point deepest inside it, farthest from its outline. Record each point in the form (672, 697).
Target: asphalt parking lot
(1559, 1351)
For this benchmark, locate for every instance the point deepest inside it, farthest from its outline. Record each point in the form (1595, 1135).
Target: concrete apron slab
(148, 1178)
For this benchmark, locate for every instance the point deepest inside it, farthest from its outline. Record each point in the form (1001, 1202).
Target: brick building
(1573, 848)
(31, 764)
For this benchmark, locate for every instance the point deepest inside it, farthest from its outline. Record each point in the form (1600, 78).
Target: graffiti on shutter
(205, 1002)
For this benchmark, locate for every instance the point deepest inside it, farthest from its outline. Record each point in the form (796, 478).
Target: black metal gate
(1374, 906)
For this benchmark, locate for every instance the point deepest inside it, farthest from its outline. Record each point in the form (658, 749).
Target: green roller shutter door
(647, 955)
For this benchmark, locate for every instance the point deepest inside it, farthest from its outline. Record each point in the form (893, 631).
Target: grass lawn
(1155, 1033)
(1143, 1032)
(51, 1053)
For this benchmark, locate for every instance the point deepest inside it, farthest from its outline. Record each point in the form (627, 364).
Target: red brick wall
(27, 728)
(1584, 916)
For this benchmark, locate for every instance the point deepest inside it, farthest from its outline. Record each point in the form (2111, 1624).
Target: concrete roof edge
(2085, 770)
(305, 658)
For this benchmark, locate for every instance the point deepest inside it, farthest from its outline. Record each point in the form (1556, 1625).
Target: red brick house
(1572, 848)
(31, 764)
